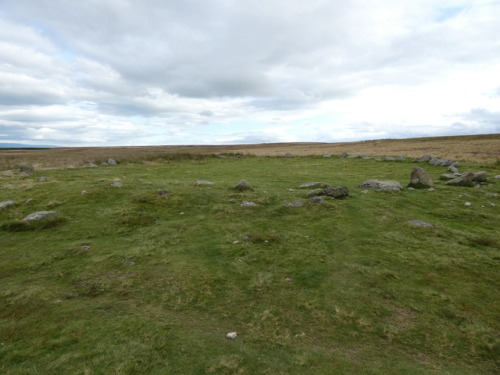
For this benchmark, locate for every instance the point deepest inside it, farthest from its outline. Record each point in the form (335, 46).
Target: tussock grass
(130, 282)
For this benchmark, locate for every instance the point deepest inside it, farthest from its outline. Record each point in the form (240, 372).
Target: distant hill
(21, 145)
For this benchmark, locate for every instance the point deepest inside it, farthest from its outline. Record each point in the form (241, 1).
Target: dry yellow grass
(478, 149)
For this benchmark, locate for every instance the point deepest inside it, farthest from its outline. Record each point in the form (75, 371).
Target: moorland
(146, 266)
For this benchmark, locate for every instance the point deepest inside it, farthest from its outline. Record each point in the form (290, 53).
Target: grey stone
(420, 179)
(343, 155)
(203, 182)
(6, 204)
(42, 179)
(381, 185)
(327, 155)
(334, 192)
(314, 192)
(338, 192)
(111, 162)
(294, 204)
(464, 180)
(40, 215)
(420, 223)
(317, 200)
(497, 176)
(480, 176)
(311, 185)
(90, 165)
(424, 158)
(27, 168)
(389, 158)
(117, 184)
(453, 169)
(242, 186)
(355, 156)
(468, 204)
(247, 204)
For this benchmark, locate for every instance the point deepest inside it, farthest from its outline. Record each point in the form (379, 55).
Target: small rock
(364, 191)
(311, 185)
(343, 155)
(389, 158)
(431, 189)
(6, 204)
(91, 165)
(203, 182)
(381, 185)
(247, 204)
(162, 193)
(317, 200)
(294, 204)
(246, 239)
(111, 162)
(455, 164)
(497, 176)
(468, 204)
(40, 215)
(480, 176)
(232, 335)
(491, 204)
(327, 155)
(420, 223)
(117, 184)
(42, 179)
(338, 192)
(424, 158)
(85, 247)
(453, 169)
(242, 186)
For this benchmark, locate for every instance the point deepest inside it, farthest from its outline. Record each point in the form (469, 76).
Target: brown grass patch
(478, 149)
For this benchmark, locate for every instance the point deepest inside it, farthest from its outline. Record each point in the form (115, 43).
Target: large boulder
(40, 215)
(381, 185)
(420, 179)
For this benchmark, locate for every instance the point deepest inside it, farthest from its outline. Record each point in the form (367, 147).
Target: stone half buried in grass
(6, 204)
(420, 223)
(338, 192)
(232, 335)
(381, 185)
(315, 185)
(420, 179)
(40, 215)
(242, 186)
(468, 178)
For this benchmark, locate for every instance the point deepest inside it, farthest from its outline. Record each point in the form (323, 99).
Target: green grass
(127, 282)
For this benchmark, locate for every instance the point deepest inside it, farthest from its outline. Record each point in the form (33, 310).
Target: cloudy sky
(146, 72)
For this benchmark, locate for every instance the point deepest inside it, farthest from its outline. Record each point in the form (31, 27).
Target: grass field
(124, 281)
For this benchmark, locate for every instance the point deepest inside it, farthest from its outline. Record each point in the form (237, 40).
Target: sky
(170, 72)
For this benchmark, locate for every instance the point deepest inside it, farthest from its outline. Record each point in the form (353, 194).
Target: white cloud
(150, 71)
